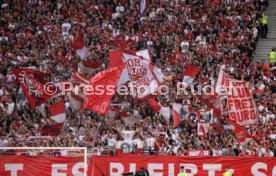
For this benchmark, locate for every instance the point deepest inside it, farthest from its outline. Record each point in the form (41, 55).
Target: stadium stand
(193, 42)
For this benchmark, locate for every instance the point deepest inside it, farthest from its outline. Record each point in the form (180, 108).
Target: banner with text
(194, 166)
(199, 153)
(240, 102)
(41, 165)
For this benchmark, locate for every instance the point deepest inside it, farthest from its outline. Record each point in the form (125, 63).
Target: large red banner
(41, 166)
(194, 166)
(33, 84)
(115, 166)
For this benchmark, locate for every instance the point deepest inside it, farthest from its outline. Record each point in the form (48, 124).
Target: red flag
(80, 78)
(115, 58)
(90, 67)
(51, 130)
(93, 64)
(212, 102)
(176, 114)
(240, 132)
(99, 101)
(190, 73)
(164, 111)
(221, 82)
(33, 83)
(154, 105)
(79, 47)
(57, 111)
(77, 96)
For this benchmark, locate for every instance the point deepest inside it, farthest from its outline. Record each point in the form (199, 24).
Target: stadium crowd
(206, 33)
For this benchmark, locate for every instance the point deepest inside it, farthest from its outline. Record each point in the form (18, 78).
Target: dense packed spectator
(205, 33)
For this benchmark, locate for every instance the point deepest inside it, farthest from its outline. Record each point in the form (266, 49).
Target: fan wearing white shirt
(216, 151)
(270, 116)
(150, 141)
(128, 134)
(120, 8)
(65, 29)
(172, 148)
(111, 140)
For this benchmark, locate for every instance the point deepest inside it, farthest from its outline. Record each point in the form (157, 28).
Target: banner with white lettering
(240, 102)
(194, 166)
(41, 165)
(198, 153)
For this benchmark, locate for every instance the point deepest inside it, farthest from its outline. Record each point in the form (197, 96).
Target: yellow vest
(272, 56)
(227, 173)
(264, 19)
(182, 174)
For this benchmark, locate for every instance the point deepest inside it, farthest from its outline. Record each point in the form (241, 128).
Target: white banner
(141, 75)
(241, 105)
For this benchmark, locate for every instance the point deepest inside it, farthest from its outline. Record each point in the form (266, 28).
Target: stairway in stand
(264, 45)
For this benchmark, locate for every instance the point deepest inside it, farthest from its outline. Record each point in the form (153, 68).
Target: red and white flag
(76, 96)
(204, 121)
(221, 87)
(116, 60)
(79, 47)
(164, 111)
(190, 73)
(142, 73)
(176, 114)
(203, 129)
(76, 99)
(240, 132)
(129, 118)
(144, 54)
(33, 84)
(90, 67)
(158, 74)
(212, 102)
(204, 116)
(98, 101)
(57, 111)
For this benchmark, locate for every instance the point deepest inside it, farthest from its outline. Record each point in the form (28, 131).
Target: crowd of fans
(205, 33)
